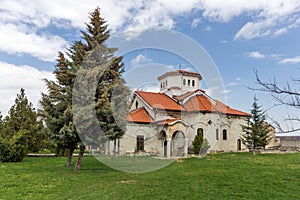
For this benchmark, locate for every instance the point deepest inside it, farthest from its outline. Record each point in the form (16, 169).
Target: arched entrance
(177, 144)
(239, 144)
(163, 137)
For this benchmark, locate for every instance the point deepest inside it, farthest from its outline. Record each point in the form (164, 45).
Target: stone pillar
(186, 146)
(107, 147)
(168, 147)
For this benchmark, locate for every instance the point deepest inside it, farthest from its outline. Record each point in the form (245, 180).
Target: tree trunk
(108, 147)
(115, 147)
(80, 157)
(70, 155)
(118, 146)
(254, 152)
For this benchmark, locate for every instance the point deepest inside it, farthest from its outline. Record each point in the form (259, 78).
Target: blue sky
(239, 36)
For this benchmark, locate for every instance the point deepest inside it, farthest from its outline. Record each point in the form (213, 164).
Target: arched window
(200, 131)
(136, 105)
(184, 81)
(217, 134)
(193, 83)
(189, 82)
(224, 134)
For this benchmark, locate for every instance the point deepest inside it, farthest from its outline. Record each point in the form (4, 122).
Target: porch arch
(178, 144)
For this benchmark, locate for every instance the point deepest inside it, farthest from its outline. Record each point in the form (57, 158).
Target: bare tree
(283, 95)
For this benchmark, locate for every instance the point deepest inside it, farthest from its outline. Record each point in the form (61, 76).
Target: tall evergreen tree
(21, 130)
(257, 132)
(91, 63)
(22, 116)
(57, 104)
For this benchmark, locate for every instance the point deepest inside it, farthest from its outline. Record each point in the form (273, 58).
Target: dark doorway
(140, 143)
(165, 148)
(239, 145)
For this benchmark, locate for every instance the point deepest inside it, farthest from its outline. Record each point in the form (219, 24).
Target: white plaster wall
(220, 122)
(177, 81)
(151, 142)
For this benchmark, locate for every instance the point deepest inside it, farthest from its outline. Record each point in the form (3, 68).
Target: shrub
(14, 149)
(197, 143)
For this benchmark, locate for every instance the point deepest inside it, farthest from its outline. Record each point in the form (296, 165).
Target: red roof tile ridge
(185, 95)
(157, 102)
(132, 115)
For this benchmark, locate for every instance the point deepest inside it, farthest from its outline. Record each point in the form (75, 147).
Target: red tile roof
(202, 103)
(160, 101)
(187, 94)
(139, 115)
(180, 72)
(187, 72)
(167, 121)
(221, 107)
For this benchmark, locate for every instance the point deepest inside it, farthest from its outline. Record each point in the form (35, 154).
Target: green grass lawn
(221, 176)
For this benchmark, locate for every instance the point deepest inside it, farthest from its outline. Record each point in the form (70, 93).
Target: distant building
(165, 123)
(274, 140)
(289, 139)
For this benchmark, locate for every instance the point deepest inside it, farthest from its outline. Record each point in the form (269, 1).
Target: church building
(164, 124)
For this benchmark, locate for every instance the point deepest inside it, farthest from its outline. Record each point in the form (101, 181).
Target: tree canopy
(21, 131)
(257, 131)
(86, 82)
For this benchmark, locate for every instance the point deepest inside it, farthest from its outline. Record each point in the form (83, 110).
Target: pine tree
(85, 83)
(57, 104)
(197, 142)
(257, 132)
(21, 130)
(22, 116)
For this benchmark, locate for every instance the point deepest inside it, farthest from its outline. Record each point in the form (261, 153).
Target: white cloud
(195, 22)
(139, 60)
(293, 60)
(17, 41)
(231, 84)
(270, 18)
(22, 21)
(255, 54)
(267, 18)
(170, 67)
(276, 56)
(208, 28)
(13, 78)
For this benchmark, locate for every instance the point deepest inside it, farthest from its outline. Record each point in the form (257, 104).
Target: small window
(200, 131)
(166, 83)
(217, 134)
(189, 82)
(161, 85)
(140, 143)
(193, 83)
(136, 105)
(184, 81)
(224, 134)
